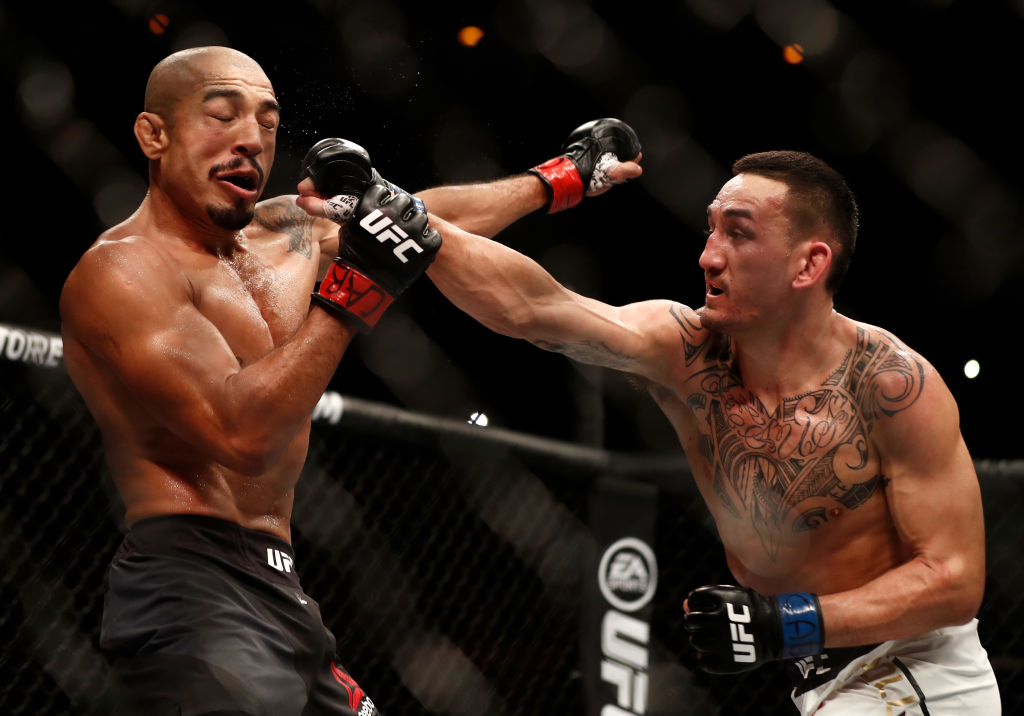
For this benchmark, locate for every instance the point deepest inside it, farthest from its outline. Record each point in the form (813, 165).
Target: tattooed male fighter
(828, 452)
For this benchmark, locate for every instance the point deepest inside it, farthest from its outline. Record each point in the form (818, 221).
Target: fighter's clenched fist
(595, 156)
(736, 629)
(384, 247)
(340, 171)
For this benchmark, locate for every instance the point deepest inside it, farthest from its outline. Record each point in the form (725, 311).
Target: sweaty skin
(828, 452)
(188, 329)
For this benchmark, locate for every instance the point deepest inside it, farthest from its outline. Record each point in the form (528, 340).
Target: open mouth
(242, 181)
(713, 290)
(246, 182)
(242, 173)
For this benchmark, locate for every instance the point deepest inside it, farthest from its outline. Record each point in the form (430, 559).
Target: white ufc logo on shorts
(278, 560)
(386, 230)
(742, 640)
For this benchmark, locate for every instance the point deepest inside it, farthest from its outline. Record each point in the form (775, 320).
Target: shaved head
(209, 128)
(177, 74)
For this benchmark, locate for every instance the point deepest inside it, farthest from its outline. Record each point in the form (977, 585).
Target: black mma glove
(737, 629)
(384, 248)
(582, 167)
(341, 170)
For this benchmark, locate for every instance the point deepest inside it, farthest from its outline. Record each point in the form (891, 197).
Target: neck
(196, 229)
(782, 363)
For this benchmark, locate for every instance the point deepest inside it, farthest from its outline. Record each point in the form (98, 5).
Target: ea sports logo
(628, 574)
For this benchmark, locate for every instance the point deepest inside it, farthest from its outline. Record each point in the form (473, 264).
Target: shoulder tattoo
(281, 216)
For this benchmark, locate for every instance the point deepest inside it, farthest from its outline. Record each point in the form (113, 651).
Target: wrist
(562, 178)
(802, 627)
(347, 291)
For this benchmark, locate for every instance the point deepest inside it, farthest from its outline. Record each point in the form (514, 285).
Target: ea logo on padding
(628, 574)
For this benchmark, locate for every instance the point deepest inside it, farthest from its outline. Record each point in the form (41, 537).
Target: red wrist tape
(354, 293)
(564, 179)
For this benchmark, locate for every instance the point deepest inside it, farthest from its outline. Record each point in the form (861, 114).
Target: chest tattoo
(283, 217)
(780, 469)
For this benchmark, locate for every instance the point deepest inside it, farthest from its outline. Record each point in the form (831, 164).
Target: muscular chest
(256, 299)
(798, 432)
(814, 445)
(771, 474)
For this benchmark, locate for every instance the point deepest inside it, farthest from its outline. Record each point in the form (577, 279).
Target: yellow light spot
(470, 35)
(793, 54)
(158, 24)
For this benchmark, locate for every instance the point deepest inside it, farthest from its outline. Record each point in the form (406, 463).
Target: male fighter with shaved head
(190, 332)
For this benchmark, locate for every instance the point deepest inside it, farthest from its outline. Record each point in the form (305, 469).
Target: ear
(151, 133)
(814, 264)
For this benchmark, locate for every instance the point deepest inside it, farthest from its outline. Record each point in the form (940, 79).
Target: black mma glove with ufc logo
(736, 629)
(383, 248)
(342, 170)
(385, 243)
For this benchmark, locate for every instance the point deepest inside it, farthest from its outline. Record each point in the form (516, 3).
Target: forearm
(914, 598)
(263, 405)
(506, 291)
(486, 208)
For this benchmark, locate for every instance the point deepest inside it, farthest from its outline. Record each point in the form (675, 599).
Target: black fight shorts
(203, 616)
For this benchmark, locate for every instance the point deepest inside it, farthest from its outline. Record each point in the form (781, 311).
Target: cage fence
(455, 564)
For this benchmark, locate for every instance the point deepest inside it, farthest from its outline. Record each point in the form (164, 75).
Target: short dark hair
(817, 195)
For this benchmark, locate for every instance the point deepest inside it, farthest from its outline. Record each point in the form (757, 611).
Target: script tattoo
(283, 217)
(766, 464)
(589, 352)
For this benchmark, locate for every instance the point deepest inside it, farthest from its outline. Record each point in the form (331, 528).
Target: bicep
(934, 495)
(625, 338)
(514, 295)
(142, 329)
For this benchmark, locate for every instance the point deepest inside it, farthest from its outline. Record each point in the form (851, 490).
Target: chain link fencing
(448, 559)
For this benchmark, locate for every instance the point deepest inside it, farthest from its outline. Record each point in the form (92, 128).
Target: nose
(711, 258)
(247, 140)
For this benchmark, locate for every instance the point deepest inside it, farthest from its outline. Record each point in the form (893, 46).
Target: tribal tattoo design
(283, 217)
(768, 464)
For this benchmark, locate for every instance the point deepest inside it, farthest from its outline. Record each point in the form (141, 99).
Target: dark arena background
(457, 561)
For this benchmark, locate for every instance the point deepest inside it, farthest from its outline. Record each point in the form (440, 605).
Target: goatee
(235, 218)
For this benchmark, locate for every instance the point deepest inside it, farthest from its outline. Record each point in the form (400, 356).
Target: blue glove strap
(803, 633)
(416, 201)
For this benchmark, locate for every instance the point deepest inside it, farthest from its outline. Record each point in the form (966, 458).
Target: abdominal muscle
(853, 548)
(166, 476)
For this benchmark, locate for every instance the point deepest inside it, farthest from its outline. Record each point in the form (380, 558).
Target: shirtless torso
(797, 488)
(239, 305)
(827, 451)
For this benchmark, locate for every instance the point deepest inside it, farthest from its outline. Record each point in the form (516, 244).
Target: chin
(718, 322)
(709, 319)
(233, 218)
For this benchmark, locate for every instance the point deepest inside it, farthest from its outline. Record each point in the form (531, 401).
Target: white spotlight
(972, 368)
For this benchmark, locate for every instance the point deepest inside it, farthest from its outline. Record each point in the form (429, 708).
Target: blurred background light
(46, 92)
(793, 54)
(972, 368)
(470, 35)
(158, 24)
(916, 120)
